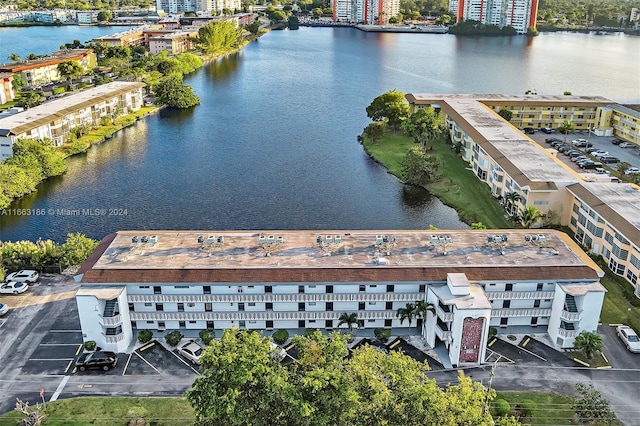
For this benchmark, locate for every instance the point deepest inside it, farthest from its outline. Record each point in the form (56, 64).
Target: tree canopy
(172, 91)
(243, 383)
(424, 125)
(418, 167)
(219, 36)
(389, 106)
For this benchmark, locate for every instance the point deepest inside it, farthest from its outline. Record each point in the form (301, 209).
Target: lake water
(273, 143)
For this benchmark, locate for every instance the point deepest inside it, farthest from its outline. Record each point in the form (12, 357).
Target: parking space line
(79, 349)
(50, 359)
(615, 325)
(492, 342)
(289, 347)
(501, 356)
(127, 365)
(148, 363)
(59, 389)
(394, 344)
(144, 348)
(185, 362)
(58, 344)
(526, 341)
(68, 367)
(65, 331)
(581, 362)
(604, 357)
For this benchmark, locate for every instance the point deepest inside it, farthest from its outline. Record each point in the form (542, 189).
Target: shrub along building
(54, 120)
(511, 163)
(194, 280)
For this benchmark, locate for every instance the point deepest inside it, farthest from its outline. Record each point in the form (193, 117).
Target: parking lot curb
(581, 362)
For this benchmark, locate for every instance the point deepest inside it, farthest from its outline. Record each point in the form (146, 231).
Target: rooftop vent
(220, 239)
(134, 239)
(434, 239)
(379, 239)
(280, 239)
(200, 239)
(211, 239)
(541, 238)
(381, 261)
(262, 239)
(153, 239)
(144, 239)
(337, 239)
(271, 239)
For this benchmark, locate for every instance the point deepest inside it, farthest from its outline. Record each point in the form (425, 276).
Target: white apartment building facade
(185, 280)
(519, 14)
(177, 6)
(365, 11)
(55, 119)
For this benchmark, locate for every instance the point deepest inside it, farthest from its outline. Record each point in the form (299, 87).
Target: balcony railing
(444, 316)
(569, 316)
(567, 333)
(114, 320)
(247, 315)
(445, 336)
(115, 338)
(273, 297)
(518, 312)
(519, 295)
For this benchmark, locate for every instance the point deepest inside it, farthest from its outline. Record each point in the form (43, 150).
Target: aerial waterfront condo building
(193, 280)
(519, 14)
(604, 216)
(365, 11)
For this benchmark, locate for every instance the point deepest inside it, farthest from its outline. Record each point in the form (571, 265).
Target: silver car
(629, 338)
(24, 276)
(192, 351)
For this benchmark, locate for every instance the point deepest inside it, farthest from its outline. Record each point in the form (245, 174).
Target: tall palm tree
(406, 313)
(566, 127)
(529, 215)
(511, 198)
(590, 343)
(15, 57)
(349, 319)
(421, 309)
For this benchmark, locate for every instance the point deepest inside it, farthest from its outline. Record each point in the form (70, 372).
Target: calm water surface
(273, 143)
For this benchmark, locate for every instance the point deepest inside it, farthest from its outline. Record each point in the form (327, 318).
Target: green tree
(253, 27)
(529, 215)
(478, 225)
(390, 106)
(375, 130)
(589, 343)
(349, 319)
(317, 12)
(418, 167)
(502, 407)
(511, 200)
(592, 407)
(18, 82)
(424, 125)
(76, 249)
(50, 161)
(171, 91)
(421, 309)
(14, 57)
(506, 114)
(406, 313)
(30, 99)
(218, 37)
(70, 70)
(566, 127)
(277, 16)
(622, 167)
(105, 15)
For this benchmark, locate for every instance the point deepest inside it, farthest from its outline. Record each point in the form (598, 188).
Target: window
(371, 320)
(144, 286)
(268, 289)
(210, 325)
(423, 288)
(180, 307)
(312, 303)
(504, 321)
(159, 307)
(301, 307)
(206, 289)
(390, 288)
(241, 306)
(508, 287)
(157, 290)
(301, 324)
(506, 304)
(180, 286)
(269, 324)
(372, 303)
(389, 306)
(328, 324)
(539, 287)
(534, 321)
(182, 324)
(635, 261)
(633, 278)
(536, 303)
(387, 323)
(362, 287)
(193, 322)
(329, 306)
(161, 325)
(329, 289)
(132, 307)
(300, 289)
(208, 307)
(252, 303)
(269, 306)
(191, 305)
(361, 306)
(148, 305)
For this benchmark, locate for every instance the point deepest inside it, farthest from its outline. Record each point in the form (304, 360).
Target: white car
(24, 276)
(13, 287)
(279, 352)
(3, 309)
(599, 154)
(192, 351)
(625, 145)
(629, 338)
(632, 171)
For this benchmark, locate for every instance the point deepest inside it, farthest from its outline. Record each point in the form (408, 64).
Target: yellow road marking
(68, 366)
(289, 347)
(394, 344)
(144, 348)
(492, 342)
(604, 357)
(615, 325)
(526, 341)
(604, 367)
(581, 362)
(79, 349)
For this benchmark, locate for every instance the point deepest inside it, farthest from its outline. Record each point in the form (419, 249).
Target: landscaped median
(455, 185)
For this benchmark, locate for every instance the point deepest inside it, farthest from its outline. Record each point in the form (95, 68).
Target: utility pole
(491, 376)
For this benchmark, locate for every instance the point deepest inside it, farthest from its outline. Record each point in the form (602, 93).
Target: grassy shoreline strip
(456, 185)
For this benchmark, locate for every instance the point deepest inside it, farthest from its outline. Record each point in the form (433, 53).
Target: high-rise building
(365, 11)
(519, 14)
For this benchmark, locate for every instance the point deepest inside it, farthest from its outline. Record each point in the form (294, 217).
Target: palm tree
(15, 57)
(421, 309)
(529, 216)
(407, 313)
(589, 343)
(349, 319)
(511, 198)
(566, 127)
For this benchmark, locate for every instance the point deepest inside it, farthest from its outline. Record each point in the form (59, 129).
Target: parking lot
(526, 351)
(615, 351)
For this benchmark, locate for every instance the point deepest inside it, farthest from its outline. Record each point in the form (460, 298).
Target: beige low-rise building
(45, 70)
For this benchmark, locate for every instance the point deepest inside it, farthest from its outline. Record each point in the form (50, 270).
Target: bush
(144, 336)
(528, 408)
(280, 336)
(173, 337)
(502, 407)
(492, 331)
(90, 345)
(207, 336)
(382, 334)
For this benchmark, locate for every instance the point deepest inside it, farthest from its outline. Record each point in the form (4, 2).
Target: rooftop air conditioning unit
(153, 239)
(200, 239)
(434, 239)
(144, 239)
(271, 239)
(134, 239)
(541, 238)
(379, 239)
(220, 239)
(337, 239)
(211, 239)
(262, 239)
(381, 261)
(319, 239)
(280, 239)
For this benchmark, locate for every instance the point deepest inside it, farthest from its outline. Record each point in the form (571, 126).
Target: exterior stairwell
(110, 308)
(570, 304)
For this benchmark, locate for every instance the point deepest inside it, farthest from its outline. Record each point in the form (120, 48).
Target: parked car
(609, 159)
(625, 145)
(579, 158)
(600, 153)
(573, 153)
(24, 276)
(616, 141)
(601, 171)
(575, 141)
(632, 171)
(629, 338)
(529, 130)
(192, 351)
(3, 309)
(548, 130)
(97, 360)
(13, 287)
(590, 150)
(549, 140)
(590, 165)
(280, 353)
(563, 148)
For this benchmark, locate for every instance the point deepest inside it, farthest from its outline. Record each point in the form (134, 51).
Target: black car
(529, 130)
(616, 141)
(97, 360)
(609, 159)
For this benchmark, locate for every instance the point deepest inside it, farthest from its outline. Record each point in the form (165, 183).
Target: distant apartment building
(509, 162)
(519, 280)
(54, 120)
(6, 88)
(132, 37)
(175, 42)
(45, 70)
(87, 16)
(177, 6)
(519, 14)
(621, 121)
(49, 16)
(365, 11)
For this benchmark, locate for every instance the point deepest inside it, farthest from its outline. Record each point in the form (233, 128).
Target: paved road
(615, 351)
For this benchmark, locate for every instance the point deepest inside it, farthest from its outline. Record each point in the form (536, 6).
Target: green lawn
(552, 408)
(456, 186)
(112, 411)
